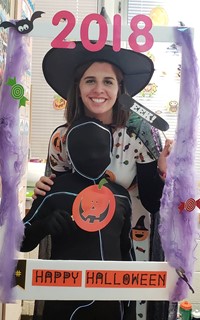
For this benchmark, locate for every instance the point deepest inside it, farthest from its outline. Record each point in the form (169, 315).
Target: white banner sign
(99, 280)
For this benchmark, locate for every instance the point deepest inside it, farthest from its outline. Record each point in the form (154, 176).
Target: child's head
(89, 145)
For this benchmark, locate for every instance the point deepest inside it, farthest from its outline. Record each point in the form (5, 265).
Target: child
(84, 223)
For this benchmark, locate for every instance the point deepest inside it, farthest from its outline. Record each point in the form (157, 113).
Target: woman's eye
(90, 81)
(108, 82)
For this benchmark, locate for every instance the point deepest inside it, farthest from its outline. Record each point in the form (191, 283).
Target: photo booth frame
(116, 289)
(101, 280)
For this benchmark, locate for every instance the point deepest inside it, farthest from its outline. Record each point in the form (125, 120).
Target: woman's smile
(98, 100)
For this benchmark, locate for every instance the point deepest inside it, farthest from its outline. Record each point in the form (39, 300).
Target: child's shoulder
(117, 189)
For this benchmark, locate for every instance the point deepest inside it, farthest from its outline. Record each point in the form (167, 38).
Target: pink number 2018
(61, 42)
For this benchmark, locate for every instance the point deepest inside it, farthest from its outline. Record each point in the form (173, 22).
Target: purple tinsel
(11, 163)
(178, 231)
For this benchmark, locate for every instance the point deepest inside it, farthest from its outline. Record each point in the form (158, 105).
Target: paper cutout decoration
(139, 231)
(59, 103)
(189, 205)
(22, 26)
(94, 207)
(149, 90)
(145, 113)
(172, 49)
(17, 91)
(172, 106)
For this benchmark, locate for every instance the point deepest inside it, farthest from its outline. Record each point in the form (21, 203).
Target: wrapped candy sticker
(189, 205)
(17, 91)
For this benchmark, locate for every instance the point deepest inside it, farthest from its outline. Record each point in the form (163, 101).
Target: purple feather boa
(178, 231)
(11, 164)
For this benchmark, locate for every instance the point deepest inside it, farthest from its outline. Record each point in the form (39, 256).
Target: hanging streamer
(178, 231)
(12, 158)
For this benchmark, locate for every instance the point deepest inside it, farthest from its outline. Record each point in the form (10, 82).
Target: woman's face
(98, 90)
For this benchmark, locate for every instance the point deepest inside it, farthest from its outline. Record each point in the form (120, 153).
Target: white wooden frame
(111, 287)
(48, 292)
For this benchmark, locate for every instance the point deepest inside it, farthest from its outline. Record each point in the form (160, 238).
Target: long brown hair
(75, 107)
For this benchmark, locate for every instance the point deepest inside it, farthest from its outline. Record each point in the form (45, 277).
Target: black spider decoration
(23, 26)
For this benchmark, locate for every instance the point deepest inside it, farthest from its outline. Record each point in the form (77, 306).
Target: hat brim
(59, 66)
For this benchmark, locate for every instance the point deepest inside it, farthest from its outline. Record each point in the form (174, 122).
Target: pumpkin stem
(102, 182)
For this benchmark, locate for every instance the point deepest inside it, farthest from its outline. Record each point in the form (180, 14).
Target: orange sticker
(125, 279)
(59, 103)
(56, 278)
(93, 208)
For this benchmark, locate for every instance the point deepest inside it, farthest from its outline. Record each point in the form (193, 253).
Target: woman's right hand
(43, 185)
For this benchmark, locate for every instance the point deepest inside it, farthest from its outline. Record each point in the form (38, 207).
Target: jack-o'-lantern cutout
(94, 207)
(59, 103)
(139, 232)
(149, 90)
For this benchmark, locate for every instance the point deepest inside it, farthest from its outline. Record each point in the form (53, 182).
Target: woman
(92, 82)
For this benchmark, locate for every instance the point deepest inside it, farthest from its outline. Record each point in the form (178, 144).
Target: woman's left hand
(162, 163)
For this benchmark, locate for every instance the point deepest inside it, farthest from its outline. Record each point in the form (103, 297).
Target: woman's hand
(162, 163)
(43, 185)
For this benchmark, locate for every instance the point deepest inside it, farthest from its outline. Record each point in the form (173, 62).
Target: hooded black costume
(89, 145)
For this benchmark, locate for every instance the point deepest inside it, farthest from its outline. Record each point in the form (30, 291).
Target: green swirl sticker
(17, 91)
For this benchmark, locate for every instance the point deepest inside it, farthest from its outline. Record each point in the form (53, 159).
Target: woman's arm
(43, 185)
(150, 186)
(150, 179)
(162, 160)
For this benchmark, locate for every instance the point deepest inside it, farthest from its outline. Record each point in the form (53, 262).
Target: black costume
(52, 215)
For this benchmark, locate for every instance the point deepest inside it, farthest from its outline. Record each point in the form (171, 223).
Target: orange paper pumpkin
(93, 208)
